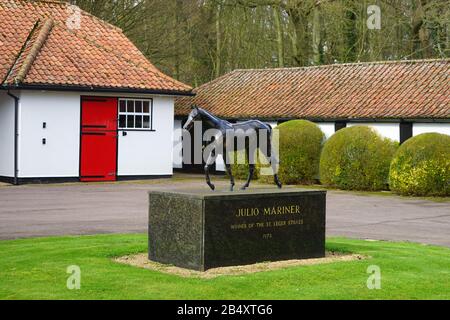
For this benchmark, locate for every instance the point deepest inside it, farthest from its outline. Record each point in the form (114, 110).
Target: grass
(36, 269)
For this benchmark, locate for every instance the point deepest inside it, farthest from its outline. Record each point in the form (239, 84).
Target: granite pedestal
(200, 230)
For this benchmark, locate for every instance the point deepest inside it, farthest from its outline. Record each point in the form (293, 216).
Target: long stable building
(399, 99)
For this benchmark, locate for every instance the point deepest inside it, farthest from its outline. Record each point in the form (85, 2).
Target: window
(135, 114)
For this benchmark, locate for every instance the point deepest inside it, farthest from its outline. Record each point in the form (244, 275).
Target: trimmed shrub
(357, 158)
(421, 166)
(300, 145)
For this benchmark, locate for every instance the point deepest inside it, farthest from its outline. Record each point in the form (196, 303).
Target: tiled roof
(39, 46)
(395, 90)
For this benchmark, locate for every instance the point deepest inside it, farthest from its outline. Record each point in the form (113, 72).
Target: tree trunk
(296, 31)
(351, 35)
(279, 32)
(178, 40)
(218, 43)
(420, 37)
(316, 37)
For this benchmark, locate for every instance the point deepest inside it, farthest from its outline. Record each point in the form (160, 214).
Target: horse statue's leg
(274, 162)
(230, 174)
(227, 160)
(209, 162)
(251, 169)
(275, 170)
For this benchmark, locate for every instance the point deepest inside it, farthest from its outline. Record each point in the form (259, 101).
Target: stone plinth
(200, 230)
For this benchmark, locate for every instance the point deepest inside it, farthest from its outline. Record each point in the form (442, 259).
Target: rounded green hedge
(357, 158)
(300, 145)
(421, 166)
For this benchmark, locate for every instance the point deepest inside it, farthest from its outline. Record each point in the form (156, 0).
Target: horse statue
(227, 131)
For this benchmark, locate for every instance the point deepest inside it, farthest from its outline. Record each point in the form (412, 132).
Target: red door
(98, 139)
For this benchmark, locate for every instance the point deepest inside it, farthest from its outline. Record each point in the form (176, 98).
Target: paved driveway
(35, 211)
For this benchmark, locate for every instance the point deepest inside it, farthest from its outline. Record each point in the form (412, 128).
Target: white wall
(150, 153)
(419, 128)
(387, 130)
(60, 156)
(273, 124)
(220, 163)
(6, 134)
(328, 128)
(178, 145)
(140, 153)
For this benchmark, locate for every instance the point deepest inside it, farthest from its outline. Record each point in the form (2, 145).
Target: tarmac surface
(82, 209)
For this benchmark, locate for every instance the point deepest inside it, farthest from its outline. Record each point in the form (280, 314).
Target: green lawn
(36, 269)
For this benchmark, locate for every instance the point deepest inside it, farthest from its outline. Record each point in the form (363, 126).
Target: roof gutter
(97, 89)
(16, 137)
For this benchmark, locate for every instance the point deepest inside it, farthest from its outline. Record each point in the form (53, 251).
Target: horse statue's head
(193, 116)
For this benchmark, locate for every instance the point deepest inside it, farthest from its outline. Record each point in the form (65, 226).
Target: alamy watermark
(374, 17)
(74, 280)
(374, 280)
(252, 143)
(73, 21)
(251, 140)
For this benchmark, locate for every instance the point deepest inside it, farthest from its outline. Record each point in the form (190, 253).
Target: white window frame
(134, 114)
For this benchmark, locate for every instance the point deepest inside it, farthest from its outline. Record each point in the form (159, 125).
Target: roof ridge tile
(34, 50)
(339, 65)
(19, 54)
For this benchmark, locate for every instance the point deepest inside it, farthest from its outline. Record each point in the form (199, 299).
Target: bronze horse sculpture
(226, 132)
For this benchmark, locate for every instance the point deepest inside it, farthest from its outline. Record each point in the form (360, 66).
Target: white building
(79, 102)
(399, 99)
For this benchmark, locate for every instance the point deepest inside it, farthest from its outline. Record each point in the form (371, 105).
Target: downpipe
(16, 137)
